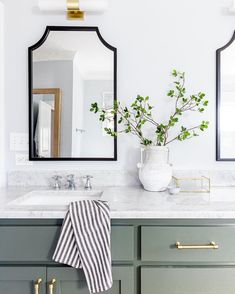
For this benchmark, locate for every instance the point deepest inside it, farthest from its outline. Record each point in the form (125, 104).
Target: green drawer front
(187, 280)
(37, 243)
(158, 244)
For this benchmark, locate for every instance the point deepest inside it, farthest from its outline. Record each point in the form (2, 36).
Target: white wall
(2, 99)
(77, 108)
(152, 38)
(95, 143)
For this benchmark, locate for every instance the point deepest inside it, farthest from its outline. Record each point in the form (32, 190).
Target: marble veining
(111, 178)
(134, 202)
(43, 178)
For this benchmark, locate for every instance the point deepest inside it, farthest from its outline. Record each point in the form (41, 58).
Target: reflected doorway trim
(57, 117)
(218, 99)
(30, 89)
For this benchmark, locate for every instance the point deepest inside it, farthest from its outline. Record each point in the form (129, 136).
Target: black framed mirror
(69, 68)
(225, 102)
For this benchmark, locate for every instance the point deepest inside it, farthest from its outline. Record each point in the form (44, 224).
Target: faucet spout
(57, 182)
(71, 182)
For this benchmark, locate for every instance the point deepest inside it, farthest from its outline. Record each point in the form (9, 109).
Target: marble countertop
(134, 202)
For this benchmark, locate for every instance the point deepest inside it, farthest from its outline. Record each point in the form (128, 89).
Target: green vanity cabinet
(145, 257)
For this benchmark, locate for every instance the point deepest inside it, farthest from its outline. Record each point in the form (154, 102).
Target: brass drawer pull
(37, 285)
(212, 245)
(51, 286)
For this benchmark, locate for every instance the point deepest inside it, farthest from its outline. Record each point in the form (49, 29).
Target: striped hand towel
(84, 242)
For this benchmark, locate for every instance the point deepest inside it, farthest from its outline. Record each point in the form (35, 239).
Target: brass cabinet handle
(51, 286)
(212, 245)
(37, 285)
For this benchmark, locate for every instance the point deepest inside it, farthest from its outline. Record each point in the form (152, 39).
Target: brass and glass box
(193, 185)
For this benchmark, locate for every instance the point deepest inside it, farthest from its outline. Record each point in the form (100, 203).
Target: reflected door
(44, 129)
(46, 122)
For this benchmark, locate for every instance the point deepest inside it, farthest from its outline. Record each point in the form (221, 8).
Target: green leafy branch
(139, 114)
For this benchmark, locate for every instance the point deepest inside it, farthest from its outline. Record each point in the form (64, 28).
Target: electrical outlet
(19, 142)
(22, 159)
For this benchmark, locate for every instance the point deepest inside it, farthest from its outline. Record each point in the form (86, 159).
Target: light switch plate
(19, 141)
(22, 159)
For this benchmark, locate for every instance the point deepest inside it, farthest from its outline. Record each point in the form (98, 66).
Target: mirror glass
(226, 102)
(70, 68)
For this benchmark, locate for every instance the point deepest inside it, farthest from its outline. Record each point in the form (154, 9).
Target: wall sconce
(75, 9)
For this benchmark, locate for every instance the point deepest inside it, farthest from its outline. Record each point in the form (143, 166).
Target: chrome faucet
(88, 182)
(71, 182)
(57, 182)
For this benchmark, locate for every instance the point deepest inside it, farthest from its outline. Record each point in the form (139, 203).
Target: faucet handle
(88, 177)
(56, 177)
(70, 177)
(57, 181)
(71, 181)
(88, 182)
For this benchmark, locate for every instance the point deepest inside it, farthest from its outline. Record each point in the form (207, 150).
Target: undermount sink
(53, 199)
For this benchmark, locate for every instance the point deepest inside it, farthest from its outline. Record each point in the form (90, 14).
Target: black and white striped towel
(84, 242)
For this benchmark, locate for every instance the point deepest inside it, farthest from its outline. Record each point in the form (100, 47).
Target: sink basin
(53, 199)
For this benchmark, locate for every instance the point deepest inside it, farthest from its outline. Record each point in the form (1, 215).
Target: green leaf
(178, 111)
(110, 132)
(102, 117)
(94, 107)
(174, 73)
(204, 125)
(171, 93)
(201, 95)
(120, 120)
(147, 142)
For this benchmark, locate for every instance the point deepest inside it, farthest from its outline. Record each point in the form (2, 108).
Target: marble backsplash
(110, 178)
(100, 178)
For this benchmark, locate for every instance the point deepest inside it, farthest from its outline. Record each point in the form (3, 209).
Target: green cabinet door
(177, 280)
(21, 280)
(72, 281)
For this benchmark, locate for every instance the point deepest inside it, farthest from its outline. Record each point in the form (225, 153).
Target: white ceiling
(94, 59)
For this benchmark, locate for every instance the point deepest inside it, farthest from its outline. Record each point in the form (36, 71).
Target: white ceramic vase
(155, 173)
